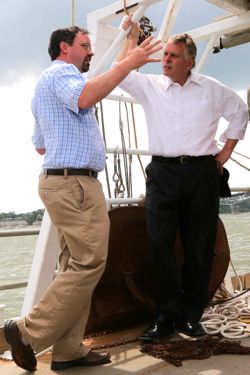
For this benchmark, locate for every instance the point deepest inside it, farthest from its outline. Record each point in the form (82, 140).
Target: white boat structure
(227, 31)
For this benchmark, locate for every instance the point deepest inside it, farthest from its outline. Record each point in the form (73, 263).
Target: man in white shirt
(182, 110)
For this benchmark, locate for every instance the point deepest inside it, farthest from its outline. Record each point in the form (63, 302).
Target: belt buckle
(92, 174)
(183, 159)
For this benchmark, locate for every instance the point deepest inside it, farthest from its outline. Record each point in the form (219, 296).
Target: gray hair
(188, 41)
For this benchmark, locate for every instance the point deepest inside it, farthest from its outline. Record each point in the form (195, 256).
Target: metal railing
(19, 232)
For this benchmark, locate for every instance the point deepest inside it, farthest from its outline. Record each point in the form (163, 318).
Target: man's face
(80, 53)
(176, 63)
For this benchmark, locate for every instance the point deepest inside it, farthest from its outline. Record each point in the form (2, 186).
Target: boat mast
(73, 12)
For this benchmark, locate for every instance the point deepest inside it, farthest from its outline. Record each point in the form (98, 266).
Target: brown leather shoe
(22, 354)
(91, 359)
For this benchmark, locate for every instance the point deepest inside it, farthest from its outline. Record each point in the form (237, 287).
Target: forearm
(225, 153)
(99, 87)
(128, 44)
(123, 52)
(132, 38)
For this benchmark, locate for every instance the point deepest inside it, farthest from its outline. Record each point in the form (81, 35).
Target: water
(17, 252)
(16, 258)
(237, 226)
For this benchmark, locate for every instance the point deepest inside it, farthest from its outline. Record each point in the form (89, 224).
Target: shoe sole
(190, 334)
(197, 335)
(156, 339)
(12, 347)
(5, 329)
(63, 366)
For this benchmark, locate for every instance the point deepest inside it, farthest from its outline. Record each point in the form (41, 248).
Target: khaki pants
(77, 208)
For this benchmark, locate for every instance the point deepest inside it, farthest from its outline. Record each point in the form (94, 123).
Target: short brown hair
(67, 35)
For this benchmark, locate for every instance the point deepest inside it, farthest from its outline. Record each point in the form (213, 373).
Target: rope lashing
(125, 7)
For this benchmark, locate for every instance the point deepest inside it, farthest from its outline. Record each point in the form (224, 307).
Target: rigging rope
(235, 152)
(125, 161)
(236, 161)
(104, 139)
(240, 164)
(237, 276)
(117, 177)
(135, 138)
(130, 157)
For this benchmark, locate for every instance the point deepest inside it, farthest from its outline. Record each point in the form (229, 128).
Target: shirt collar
(55, 62)
(194, 77)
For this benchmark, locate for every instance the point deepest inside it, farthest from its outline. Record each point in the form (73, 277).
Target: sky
(25, 27)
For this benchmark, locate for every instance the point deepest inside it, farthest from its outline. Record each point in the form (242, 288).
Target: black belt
(184, 159)
(71, 172)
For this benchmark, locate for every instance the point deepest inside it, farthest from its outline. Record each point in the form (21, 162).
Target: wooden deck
(127, 359)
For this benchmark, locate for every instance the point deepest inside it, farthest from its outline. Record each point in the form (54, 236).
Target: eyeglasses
(87, 46)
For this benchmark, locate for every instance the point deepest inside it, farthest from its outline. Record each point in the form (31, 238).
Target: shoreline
(15, 225)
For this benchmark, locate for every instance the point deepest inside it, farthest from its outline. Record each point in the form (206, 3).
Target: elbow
(40, 151)
(89, 96)
(85, 102)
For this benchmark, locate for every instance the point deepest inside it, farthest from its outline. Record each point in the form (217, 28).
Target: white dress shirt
(183, 120)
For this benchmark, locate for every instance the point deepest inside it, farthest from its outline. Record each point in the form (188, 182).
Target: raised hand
(140, 55)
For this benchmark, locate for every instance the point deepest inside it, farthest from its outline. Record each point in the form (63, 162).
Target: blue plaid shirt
(70, 135)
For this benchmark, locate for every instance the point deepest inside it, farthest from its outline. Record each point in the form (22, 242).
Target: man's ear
(63, 47)
(190, 63)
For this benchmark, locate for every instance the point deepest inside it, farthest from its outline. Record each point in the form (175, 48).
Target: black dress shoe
(91, 359)
(157, 330)
(193, 329)
(23, 355)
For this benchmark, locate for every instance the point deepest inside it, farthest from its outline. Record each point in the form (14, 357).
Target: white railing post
(43, 264)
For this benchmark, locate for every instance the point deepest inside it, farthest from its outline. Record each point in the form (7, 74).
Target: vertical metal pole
(73, 13)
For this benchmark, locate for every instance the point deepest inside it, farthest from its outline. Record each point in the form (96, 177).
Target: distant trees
(239, 202)
(29, 217)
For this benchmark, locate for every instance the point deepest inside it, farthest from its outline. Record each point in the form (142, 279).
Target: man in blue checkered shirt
(67, 134)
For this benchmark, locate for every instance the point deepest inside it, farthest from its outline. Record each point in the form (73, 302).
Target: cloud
(26, 26)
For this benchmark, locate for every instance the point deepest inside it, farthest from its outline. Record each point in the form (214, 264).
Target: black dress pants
(184, 198)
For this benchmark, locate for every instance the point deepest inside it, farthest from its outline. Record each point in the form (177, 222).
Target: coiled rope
(229, 318)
